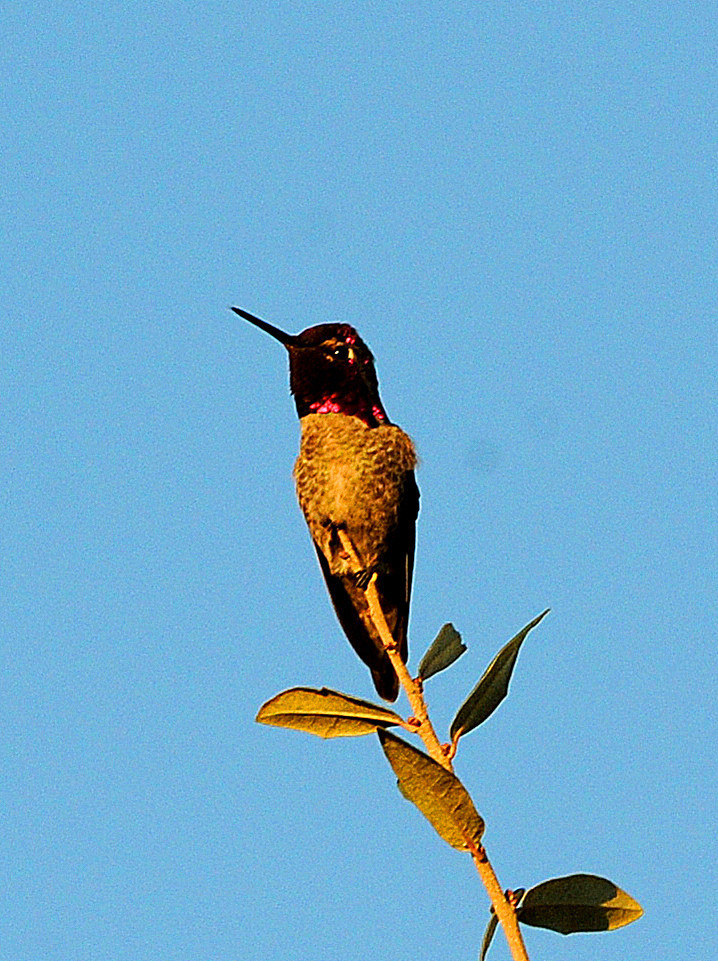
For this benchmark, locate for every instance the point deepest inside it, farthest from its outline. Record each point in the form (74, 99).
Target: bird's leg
(345, 552)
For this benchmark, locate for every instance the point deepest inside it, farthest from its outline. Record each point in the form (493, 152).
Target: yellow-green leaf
(492, 687)
(578, 902)
(325, 713)
(446, 648)
(439, 794)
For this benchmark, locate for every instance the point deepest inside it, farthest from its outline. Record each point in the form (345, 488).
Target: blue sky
(516, 206)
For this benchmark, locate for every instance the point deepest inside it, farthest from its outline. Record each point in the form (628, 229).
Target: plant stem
(424, 728)
(505, 911)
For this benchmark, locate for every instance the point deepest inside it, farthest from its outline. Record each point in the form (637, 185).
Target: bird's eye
(341, 352)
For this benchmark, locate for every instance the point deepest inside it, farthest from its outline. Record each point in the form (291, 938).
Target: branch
(504, 909)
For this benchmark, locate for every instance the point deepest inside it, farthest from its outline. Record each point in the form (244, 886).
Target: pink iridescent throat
(371, 414)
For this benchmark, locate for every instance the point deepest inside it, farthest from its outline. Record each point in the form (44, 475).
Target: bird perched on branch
(355, 480)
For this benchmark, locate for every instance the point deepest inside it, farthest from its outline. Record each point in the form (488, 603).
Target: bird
(354, 475)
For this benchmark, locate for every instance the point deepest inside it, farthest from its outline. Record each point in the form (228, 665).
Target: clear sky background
(516, 205)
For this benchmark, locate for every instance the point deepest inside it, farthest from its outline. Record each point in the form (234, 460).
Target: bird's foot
(362, 579)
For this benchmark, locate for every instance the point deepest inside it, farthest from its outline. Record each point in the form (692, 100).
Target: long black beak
(287, 339)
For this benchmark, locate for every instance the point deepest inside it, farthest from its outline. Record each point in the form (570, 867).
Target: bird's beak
(289, 340)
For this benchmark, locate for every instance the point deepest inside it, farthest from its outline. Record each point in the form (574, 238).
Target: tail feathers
(385, 680)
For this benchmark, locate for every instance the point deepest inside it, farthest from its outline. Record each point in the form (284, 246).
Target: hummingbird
(354, 473)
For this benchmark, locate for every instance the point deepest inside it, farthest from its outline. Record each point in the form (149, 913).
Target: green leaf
(493, 686)
(325, 713)
(446, 648)
(439, 794)
(578, 902)
(488, 936)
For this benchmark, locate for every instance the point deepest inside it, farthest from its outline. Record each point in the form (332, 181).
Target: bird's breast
(348, 474)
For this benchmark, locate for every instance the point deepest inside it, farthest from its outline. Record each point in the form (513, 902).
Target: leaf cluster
(578, 902)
